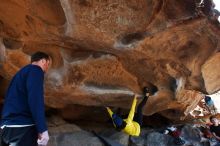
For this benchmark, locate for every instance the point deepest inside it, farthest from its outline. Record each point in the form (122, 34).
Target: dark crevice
(12, 44)
(81, 53)
(155, 121)
(1, 26)
(132, 37)
(172, 114)
(173, 84)
(86, 3)
(29, 19)
(138, 36)
(1, 78)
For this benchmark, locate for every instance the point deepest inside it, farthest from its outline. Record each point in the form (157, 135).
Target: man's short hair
(38, 56)
(207, 98)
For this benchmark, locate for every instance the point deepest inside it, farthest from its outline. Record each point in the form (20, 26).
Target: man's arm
(109, 111)
(35, 92)
(217, 137)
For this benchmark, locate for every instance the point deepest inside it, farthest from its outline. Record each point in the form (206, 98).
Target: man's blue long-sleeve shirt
(24, 101)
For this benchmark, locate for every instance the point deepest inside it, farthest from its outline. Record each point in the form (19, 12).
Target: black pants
(139, 114)
(19, 136)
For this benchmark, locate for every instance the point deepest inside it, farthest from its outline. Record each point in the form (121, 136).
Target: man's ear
(43, 61)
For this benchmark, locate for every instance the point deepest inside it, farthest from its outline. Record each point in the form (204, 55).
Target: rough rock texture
(103, 52)
(64, 134)
(210, 72)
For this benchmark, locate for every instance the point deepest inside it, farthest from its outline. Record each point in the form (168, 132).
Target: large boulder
(104, 52)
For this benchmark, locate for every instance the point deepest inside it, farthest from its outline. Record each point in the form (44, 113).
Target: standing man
(215, 128)
(23, 118)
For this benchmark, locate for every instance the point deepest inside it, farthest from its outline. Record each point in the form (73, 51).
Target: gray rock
(80, 138)
(158, 139)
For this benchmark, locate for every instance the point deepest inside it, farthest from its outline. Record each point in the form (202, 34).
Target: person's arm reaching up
(109, 111)
(132, 110)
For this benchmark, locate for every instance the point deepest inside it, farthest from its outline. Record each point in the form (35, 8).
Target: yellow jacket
(132, 127)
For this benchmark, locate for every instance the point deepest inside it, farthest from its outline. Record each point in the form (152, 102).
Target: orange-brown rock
(211, 73)
(104, 52)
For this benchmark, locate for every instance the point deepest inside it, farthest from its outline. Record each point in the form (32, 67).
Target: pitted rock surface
(104, 52)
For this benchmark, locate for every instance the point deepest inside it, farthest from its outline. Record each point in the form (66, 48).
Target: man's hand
(147, 94)
(43, 138)
(135, 96)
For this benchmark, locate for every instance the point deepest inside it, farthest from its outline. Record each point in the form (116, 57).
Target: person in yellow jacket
(131, 125)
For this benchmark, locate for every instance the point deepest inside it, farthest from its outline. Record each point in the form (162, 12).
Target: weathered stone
(158, 139)
(104, 52)
(75, 139)
(210, 73)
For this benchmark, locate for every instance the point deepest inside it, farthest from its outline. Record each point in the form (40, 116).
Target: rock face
(103, 52)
